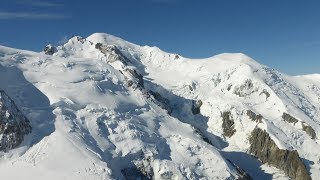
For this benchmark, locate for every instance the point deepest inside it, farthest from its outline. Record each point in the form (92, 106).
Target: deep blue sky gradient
(284, 34)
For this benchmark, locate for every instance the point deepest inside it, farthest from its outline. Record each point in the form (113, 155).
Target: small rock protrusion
(229, 87)
(265, 92)
(50, 49)
(196, 105)
(98, 46)
(309, 130)
(129, 83)
(81, 39)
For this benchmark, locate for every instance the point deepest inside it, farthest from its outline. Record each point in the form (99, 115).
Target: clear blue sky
(284, 34)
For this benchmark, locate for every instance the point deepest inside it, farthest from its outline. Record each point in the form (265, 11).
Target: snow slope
(95, 115)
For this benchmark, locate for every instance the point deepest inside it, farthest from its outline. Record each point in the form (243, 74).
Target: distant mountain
(103, 108)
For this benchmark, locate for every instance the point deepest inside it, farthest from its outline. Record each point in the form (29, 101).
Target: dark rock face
(242, 174)
(50, 49)
(265, 149)
(13, 124)
(309, 130)
(138, 76)
(287, 117)
(227, 124)
(196, 105)
(254, 117)
(161, 101)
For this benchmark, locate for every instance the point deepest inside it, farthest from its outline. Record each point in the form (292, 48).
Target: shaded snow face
(120, 111)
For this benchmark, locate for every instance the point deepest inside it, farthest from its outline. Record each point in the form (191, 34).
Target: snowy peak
(87, 48)
(124, 111)
(239, 58)
(107, 39)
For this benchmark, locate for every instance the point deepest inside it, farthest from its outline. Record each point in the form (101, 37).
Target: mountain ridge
(120, 104)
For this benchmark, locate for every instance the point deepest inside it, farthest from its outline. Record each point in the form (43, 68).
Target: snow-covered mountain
(103, 108)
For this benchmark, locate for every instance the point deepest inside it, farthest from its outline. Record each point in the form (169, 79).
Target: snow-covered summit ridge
(108, 39)
(125, 45)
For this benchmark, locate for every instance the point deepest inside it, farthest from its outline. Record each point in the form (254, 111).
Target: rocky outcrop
(98, 46)
(112, 53)
(242, 174)
(138, 76)
(141, 169)
(309, 130)
(245, 89)
(265, 92)
(163, 102)
(145, 167)
(287, 117)
(13, 124)
(265, 149)
(81, 39)
(133, 173)
(50, 49)
(254, 117)
(196, 105)
(227, 124)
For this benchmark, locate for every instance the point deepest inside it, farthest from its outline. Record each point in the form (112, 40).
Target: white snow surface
(88, 123)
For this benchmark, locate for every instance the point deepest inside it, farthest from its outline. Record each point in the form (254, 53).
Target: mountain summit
(103, 108)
